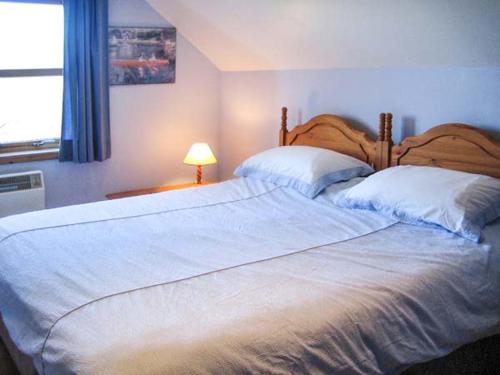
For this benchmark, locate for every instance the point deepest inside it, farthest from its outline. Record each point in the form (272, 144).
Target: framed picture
(141, 55)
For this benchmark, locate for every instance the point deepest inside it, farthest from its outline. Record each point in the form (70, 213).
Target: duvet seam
(191, 278)
(135, 216)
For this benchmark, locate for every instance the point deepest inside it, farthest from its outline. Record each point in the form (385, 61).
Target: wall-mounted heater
(21, 192)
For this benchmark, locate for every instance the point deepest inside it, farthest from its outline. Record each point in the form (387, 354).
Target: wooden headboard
(335, 133)
(454, 146)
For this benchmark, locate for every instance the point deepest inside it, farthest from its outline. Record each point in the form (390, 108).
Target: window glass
(31, 36)
(31, 108)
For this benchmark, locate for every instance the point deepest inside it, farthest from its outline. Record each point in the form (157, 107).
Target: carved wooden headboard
(335, 133)
(454, 146)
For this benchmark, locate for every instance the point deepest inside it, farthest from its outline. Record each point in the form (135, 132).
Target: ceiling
(241, 35)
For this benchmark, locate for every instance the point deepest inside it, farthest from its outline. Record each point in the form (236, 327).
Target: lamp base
(199, 173)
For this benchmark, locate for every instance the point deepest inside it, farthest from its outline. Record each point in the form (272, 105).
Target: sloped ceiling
(239, 35)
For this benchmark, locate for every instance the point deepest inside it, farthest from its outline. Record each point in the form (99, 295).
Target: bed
(249, 277)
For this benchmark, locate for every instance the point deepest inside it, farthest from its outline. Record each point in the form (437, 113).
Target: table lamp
(199, 154)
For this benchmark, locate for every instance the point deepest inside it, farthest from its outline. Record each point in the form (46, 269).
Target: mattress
(244, 277)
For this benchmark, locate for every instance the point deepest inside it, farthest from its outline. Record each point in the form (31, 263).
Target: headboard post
(284, 130)
(381, 127)
(384, 142)
(388, 128)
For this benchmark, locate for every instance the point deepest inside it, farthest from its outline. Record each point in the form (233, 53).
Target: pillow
(460, 202)
(306, 169)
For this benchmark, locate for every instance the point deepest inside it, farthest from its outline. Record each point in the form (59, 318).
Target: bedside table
(158, 189)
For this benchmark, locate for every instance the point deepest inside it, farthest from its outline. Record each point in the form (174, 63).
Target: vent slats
(22, 182)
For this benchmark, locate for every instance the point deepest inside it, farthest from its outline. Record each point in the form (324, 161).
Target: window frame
(35, 149)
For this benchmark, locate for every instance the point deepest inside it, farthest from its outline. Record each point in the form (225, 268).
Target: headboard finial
(284, 130)
(284, 112)
(388, 127)
(381, 129)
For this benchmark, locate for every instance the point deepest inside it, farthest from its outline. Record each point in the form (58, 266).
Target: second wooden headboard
(454, 146)
(335, 133)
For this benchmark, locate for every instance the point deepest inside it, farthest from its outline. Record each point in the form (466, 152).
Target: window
(31, 84)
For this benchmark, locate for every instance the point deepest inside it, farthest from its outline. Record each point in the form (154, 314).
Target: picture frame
(142, 55)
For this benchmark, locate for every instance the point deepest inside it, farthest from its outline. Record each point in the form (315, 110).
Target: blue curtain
(85, 135)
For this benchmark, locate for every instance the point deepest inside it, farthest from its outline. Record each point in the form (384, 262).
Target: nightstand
(158, 189)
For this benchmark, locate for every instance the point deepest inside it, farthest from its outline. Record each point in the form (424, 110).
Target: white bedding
(240, 277)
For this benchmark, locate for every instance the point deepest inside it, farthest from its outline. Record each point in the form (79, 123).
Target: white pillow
(307, 169)
(462, 203)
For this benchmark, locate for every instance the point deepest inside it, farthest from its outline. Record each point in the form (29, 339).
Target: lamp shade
(200, 154)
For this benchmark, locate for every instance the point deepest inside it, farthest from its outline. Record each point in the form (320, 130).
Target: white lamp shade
(200, 154)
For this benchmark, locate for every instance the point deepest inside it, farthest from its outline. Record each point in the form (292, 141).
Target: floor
(6, 365)
(478, 358)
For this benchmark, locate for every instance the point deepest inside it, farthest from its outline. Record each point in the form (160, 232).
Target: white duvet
(239, 277)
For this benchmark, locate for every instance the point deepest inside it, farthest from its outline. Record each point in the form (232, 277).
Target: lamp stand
(198, 174)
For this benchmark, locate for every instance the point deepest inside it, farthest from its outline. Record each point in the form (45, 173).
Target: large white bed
(239, 277)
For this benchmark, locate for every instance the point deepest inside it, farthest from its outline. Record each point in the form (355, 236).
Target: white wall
(248, 35)
(152, 126)
(419, 98)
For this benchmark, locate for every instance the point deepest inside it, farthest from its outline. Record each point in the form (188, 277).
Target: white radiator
(21, 192)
